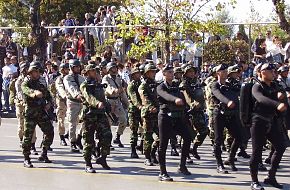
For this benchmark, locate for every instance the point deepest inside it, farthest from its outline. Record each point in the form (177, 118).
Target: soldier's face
(268, 75)
(168, 75)
(178, 75)
(65, 71)
(190, 74)
(35, 74)
(76, 70)
(136, 76)
(151, 74)
(92, 74)
(222, 74)
(114, 71)
(284, 74)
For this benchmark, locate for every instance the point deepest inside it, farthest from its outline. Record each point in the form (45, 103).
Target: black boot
(244, 154)
(43, 157)
(262, 167)
(133, 151)
(231, 163)
(62, 140)
(140, 146)
(256, 186)
(183, 170)
(273, 182)
(20, 143)
(33, 149)
(164, 177)
(148, 161)
(79, 142)
(174, 151)
(153, 154)
(267, 161)
(117, 141)
(27, 163)
(103, 162)
(194, 151)
(66, 135)
(221, 169)
(73, 147)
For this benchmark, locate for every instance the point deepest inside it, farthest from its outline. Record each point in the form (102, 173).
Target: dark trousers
(260, 131)
(168, 126)
(230, 122)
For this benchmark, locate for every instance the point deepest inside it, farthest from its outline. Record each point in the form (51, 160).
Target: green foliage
(219, 52)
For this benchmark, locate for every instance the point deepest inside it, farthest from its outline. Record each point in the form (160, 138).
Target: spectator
(260, 53)
(2, 52)
(276, 50)
(69, 21)
(159, 74)
(11, 47)
(80, 47)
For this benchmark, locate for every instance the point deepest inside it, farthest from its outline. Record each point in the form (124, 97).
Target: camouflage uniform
(134, 112)
(72, 84)
(60, 104)
(148, 94)
(95, 120)
(20, 106)
(35, 114)
(12, 93)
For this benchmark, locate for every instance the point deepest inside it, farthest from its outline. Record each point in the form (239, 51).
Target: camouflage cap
(187, 67)
(90, 67)
(268, 66)
(233, 69)
(221, 67)
(283, 69)
(150, 67)
(111, 65)
(177, 70)
(63, 66)
(135, 70)
(33, 66)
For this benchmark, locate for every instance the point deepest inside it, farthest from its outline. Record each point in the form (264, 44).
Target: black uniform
(225, 117)
(171, 119)
(265, 122)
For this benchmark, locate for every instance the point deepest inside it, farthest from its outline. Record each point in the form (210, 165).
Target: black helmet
(187, 67)
(149, 67)
(35, 65)
(74, 63)
(110, 65)
(63, 66)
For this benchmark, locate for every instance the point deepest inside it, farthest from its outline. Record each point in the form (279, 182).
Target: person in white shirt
(159, 74)
(8, 71)
(277, 50)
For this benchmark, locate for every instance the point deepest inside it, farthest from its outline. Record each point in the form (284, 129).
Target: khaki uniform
(60, 104)
(72, 87)
(119, 102)
(20, 107)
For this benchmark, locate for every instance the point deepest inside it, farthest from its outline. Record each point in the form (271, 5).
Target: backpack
(247, 102)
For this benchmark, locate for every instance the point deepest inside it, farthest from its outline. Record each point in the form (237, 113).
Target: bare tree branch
(201, 6)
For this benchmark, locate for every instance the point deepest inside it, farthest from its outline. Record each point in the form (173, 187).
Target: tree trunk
(280, 10)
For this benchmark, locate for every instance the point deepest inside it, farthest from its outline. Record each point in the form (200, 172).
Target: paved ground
(67, 170)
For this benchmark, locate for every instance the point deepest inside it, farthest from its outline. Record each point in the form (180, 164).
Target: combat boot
(256, 186)
(193, 151)
(89, 168)
(273, 182)
(73, 148)
(164, 177)
(231, 163)
(183, 170)
(244, 154)
(66, 135)
(62, 140)
(33, 149)
(148, 161)
(221, 169)
(133, 151)
(262, 167)
(103, 162)
(79, 142)
(27, 163)
(43, 157)
(117, 141)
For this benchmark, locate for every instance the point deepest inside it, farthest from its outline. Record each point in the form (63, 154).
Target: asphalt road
(67, 169)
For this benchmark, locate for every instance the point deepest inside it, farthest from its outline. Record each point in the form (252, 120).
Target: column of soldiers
(180, 105)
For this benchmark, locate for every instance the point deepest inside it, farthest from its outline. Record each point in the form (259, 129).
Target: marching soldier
(38, 101)
(116, 95)
(61, 99)
(134, 111)
(20, 106)
(194, 97)
(72, 83)
(149, 113)
(95, 119)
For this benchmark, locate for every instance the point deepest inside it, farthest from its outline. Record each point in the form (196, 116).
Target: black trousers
(260, 131)
(231, 123)
(168, 126)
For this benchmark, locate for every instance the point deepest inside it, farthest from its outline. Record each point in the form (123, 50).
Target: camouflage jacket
(92, 94)
(148, 94)
(208, 95)
(193, 93)
(135, 103)
(28, 87)
(12, 92)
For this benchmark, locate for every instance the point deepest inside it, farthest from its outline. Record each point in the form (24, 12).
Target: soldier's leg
(29, 128)
(73, 111)
(121, 114)
(148, 141)
(202, 131)
(89, 143)
(20, 119)
(105, 136)
(61, 113)
(134, 125)
(46, 127)
(155, 144)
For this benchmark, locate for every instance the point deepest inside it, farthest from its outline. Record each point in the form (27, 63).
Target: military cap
(187, 67)
(35, 65)
(177, 70)
(149, 67)
(63, 66)
(110, 65)
(283, 69)
(268, 66)
(90, 67)
(221, 67)
(103, 64)
(142, 68)
(135, 70)
(167, 67)
(74, 63)
(233, 69)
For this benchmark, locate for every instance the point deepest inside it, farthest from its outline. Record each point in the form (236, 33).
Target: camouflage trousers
(20, 117)
(135, 124)
(150, 126)
(33, 117)
(73, 113)
(60, 114)
(199, 124)
(100, 125)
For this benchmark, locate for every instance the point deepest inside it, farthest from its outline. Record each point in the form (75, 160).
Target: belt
(112, 98)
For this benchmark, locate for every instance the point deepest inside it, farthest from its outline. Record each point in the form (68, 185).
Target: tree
(225, 17)
(280, 8)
